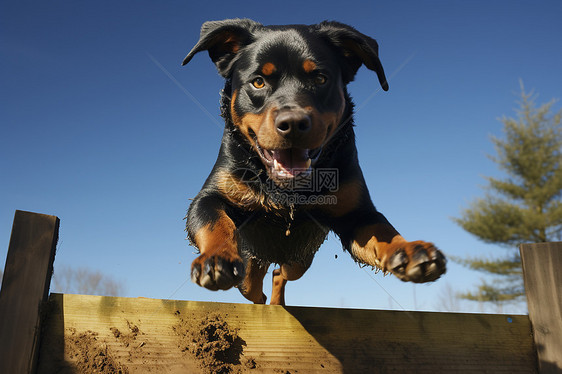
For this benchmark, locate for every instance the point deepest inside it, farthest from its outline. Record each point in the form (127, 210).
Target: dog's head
(288, 84)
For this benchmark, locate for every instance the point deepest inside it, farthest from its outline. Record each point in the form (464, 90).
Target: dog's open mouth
(283, 164)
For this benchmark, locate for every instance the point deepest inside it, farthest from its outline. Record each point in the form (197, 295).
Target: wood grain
(542, 269)
(25, 286)
(293, 339)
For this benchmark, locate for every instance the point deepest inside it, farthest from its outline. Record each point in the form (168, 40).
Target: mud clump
(214, 343)
(126, 338)
(89, 355)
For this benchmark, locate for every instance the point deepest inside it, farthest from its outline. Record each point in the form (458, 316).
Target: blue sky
(99, 129)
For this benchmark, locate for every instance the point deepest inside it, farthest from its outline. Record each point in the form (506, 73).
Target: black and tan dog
(287, 171)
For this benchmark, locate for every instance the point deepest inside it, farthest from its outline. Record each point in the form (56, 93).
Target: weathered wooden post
(25, 287)
(339, 340)
(542, 270)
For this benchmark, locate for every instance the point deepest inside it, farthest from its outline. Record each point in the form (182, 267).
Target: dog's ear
(223, 40)
(356, 47)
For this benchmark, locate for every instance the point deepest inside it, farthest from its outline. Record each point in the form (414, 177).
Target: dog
(287, 171)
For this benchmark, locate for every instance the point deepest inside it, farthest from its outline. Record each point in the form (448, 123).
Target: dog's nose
(292, 124)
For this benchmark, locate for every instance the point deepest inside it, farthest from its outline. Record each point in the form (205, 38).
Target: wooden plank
(278, 339)
(542, 264)
(25, 286)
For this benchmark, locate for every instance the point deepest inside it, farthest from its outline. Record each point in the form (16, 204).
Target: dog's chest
(272, 239)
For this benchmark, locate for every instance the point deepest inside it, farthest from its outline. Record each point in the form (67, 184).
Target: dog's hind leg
(293, 271)
(278, 288)
(252, 285)
(280, 277)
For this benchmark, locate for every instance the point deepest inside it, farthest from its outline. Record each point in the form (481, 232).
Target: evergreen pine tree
(523, 207)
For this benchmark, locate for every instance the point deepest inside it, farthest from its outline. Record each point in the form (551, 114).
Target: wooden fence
(61, 333)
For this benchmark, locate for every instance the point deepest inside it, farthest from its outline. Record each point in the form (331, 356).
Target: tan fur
(373, 244)
(241, 194)
(218, 237)
(308, 66)
(268, 68)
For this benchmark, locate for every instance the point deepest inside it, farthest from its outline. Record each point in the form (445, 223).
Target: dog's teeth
(308, 163)
(275, 164)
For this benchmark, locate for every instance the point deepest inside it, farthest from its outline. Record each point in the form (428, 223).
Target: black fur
(269, 230)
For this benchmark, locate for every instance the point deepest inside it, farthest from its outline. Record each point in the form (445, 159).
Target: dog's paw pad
(417, 262)
(217, 273)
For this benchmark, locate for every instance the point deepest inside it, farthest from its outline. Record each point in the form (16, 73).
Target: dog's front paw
(417, 262)
(217, 272)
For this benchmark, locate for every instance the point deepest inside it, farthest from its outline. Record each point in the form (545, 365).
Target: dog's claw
(238, 270)
(398, 262)
(195, 273)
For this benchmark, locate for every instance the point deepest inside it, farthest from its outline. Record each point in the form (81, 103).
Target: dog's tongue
(290, 162)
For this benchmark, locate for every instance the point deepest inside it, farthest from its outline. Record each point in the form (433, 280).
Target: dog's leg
(375, 242)
(219, 266)
(287, 272)
(278, 288)
(252, 285)
(293, 271)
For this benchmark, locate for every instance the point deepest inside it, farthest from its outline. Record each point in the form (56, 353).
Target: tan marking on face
(218, 237)
(254, 122)
(268, 68)
(309, 66)
(333, 119)
(325, 125)
(262, 125)
(247, 122)
(233, 114)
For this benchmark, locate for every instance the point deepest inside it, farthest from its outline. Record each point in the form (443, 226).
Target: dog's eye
(258, 82)
(320, 79)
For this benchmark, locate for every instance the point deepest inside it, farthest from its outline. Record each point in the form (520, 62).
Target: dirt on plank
(205, 343)
(90, 355)
(214, 343)
(127, 338)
